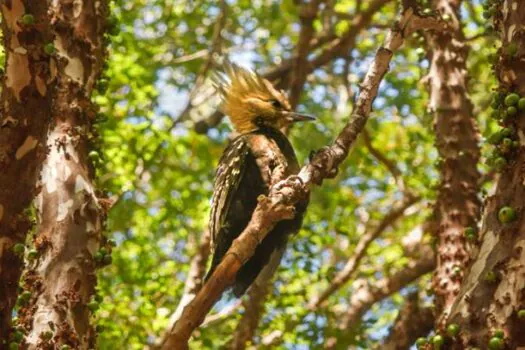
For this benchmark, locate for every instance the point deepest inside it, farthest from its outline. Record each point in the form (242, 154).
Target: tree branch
(367, 294)
(254, 304)
(412, 322)
(493, 289)
(457, 205)
(278, 205)
(193, 281)
(308, 13)
(336, 47)
(353, 262)
(60, 276)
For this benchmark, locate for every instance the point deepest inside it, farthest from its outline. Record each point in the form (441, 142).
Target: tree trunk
(60, 279)
(457, 206)
(493, 293)
(24, 120)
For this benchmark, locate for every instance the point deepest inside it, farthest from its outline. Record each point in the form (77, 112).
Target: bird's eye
(276, 103)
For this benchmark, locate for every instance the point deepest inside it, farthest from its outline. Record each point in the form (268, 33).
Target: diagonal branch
(193, 281)
(278, 205)
(353, 262)
(254, 304)
(368, 294)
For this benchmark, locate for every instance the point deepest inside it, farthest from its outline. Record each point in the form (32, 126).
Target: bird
(253, 161)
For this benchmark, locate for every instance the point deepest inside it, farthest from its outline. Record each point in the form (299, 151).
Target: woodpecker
(258, 157)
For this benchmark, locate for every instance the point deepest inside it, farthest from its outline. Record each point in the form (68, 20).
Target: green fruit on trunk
(512, 99)
(506, 215)
(496, 343)
(438, 341)
(453, 329)
(28, 19)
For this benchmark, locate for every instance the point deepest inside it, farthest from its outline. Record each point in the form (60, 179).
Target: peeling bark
(25, 114)
(61, 279)
(457, 205)
(485, 305)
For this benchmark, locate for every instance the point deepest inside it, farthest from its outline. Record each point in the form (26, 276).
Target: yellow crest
(246, 96)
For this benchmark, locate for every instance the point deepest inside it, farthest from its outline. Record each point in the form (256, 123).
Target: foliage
(160, 169)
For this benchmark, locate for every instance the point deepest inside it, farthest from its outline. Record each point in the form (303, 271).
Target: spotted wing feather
(229, 174)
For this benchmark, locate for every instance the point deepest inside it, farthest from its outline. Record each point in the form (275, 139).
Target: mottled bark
(25, 114)
(493, 291)
(457, 205)
(412, 322)
(279, 204)
(60, 278)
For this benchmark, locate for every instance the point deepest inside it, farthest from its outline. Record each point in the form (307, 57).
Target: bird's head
(252, 102)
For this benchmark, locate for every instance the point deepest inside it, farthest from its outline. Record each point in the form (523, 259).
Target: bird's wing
(229, 174)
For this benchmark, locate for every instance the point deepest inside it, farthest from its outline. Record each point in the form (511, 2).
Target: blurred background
(164, 136)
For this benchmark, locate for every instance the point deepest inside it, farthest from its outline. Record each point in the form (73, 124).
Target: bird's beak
(293, 117)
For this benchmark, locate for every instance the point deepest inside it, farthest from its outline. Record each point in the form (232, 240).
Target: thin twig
(254, 304)
(193, 281)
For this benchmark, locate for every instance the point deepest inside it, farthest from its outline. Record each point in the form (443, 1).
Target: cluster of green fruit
(496, 342)
(20, 248)
(103, 256)
(490, 7)
(94, 303)
(15, 339)
(505, 108)
(438, 340)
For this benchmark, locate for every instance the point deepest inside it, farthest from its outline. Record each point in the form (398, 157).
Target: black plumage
(246, 170)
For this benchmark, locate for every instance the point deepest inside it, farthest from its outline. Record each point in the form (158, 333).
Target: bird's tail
(261, 266)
